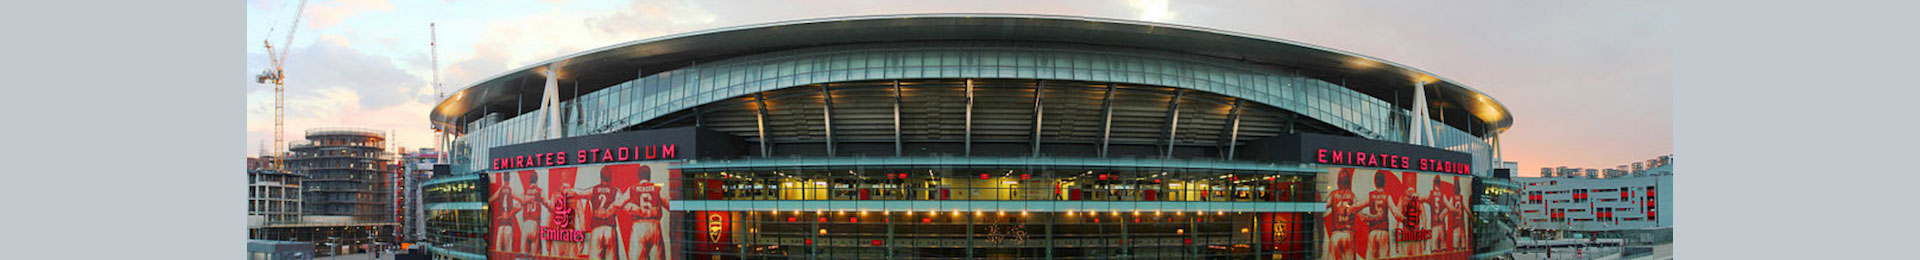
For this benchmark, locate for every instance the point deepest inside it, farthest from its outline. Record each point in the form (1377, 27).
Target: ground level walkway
(365, 256)
(1659, 252)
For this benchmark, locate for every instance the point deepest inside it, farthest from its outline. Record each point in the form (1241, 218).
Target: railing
(346, 131)
(304, 156)
(310, 144)
(367, 190)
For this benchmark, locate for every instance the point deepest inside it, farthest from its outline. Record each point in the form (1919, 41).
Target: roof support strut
(1232, 132)
(1418, 126)
(969, 139)
(1173, 120)
(898, 143)
(1039, 90)
(760, 124)
(550, 104)
(826, 110)
(1106, 123)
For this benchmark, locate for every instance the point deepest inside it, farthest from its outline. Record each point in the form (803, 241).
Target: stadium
(959, 136)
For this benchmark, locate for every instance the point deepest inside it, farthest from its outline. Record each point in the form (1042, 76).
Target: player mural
(615, 211)
(1387, 214)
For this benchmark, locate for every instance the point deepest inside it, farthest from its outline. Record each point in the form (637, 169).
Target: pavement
(369, 256)
(1662, 251)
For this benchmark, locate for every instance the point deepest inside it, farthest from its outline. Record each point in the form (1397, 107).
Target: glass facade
(456, 217)
(1087, 183)
(662, 93)
(967, 235)
(1494, 217)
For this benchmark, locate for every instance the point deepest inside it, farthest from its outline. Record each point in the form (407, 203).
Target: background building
(273, 197)
(415, 167)
(1655, 166)
(345, 192)
(1637, 206)
(971, 135)
(348, 175)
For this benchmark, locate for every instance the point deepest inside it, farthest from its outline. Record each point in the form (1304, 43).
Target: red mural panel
(1388, 214)
(585, 212)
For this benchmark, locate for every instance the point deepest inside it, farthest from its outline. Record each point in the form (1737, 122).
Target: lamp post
(333, 253)
(371, 242)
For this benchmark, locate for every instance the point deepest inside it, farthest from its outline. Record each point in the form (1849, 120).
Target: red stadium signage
(1411, 230)
(1362, 152)
(562, 227)
(1387, 160)
(618, 147)
(594, 155)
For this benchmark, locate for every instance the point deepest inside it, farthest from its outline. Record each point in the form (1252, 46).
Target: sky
(1589, 83)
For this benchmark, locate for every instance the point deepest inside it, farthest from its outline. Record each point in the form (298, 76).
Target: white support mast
(550, 104)
(1418, 126)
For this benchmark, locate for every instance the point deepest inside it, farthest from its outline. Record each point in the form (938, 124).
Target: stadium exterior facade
(967, 136)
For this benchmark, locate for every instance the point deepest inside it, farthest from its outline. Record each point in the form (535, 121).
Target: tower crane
(277, 76)
(433, 45)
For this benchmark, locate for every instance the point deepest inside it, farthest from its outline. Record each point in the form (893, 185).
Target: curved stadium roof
(606, 66)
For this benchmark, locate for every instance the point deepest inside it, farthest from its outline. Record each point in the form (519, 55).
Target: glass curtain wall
(455, 221)
(961, 183)
(833, 234)
(669, 91)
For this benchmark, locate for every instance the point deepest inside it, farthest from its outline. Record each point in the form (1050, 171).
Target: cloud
(652, 18)
(328, 14)
(1152, 10)
(521, 41)
(331, 84)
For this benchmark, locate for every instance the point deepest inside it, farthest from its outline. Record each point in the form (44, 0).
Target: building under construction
(346, 203)
(273, 197)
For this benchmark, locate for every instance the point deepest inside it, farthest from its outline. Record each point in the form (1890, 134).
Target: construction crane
(433, 45)
(277, 76)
